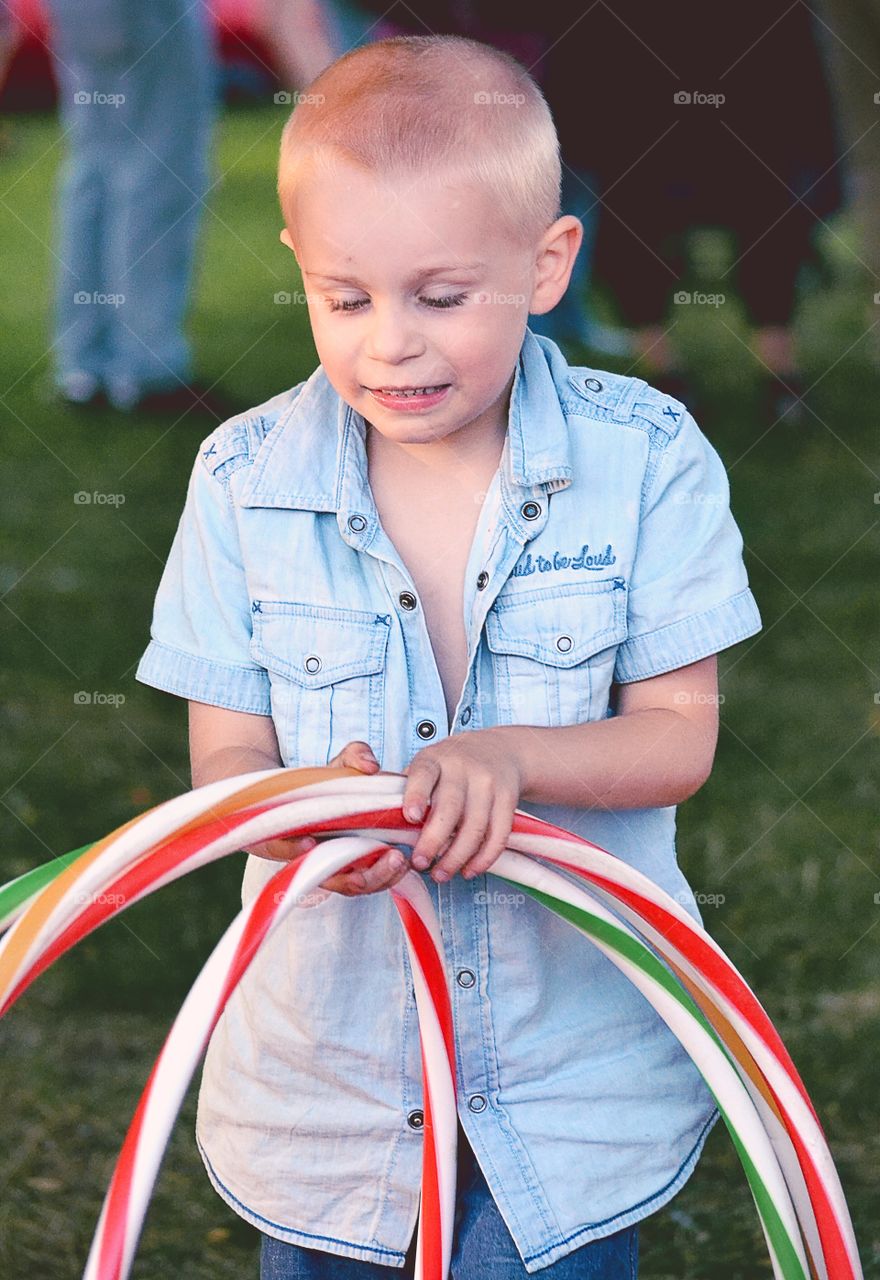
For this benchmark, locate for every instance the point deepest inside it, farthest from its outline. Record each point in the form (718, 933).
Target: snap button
(465, 715)
(482, 580)
(426, 728)
(407, 600)
(313, 663)
(563, 643)
(530, 510)
(357, 524)
(416, 1119)
(465, 977)
(592, 384)
(477, 1102)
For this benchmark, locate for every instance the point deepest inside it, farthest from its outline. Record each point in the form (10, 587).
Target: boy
(451, 554)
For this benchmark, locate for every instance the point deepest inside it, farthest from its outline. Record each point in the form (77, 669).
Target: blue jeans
(137, 96)
(482, 1247)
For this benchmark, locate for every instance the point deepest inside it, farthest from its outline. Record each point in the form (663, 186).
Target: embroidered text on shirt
(585, 560)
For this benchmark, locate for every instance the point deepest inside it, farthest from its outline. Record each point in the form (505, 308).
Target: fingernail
(395, 860)
(420, 862)
(413, 813)
(309, 843)
(441, 875)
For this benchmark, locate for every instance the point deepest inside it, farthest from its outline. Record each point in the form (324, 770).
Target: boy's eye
(355, 304)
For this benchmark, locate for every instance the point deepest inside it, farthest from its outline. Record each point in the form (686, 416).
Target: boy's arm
(223, 743)
(656, 750)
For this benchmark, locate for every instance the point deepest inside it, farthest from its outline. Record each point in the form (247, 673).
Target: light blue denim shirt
(605, 551)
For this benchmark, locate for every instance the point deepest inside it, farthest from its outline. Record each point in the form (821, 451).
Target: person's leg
(281, 1261)
(91, 41)
(160, 180)
(483, 1248)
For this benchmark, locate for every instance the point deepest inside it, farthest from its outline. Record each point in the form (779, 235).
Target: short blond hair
(439, 102)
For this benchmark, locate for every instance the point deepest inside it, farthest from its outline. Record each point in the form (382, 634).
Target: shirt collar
(303, 463)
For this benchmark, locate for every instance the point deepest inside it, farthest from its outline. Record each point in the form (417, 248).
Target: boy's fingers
(471, 836)
(384, 872)
(422, 778)
(356, 755)
(283, 850)
(495, 842)
(446, 812)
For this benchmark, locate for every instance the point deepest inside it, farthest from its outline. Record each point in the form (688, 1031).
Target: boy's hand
(472, 782)
(384, 872)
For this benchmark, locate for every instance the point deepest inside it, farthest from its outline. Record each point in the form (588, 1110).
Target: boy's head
(418, 155)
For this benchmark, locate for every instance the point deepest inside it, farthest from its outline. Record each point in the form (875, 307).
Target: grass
(785, 830)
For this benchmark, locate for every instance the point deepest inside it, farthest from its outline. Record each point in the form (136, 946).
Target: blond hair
(439, 103)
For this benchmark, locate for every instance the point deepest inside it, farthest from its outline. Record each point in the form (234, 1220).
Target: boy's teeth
(421, 391)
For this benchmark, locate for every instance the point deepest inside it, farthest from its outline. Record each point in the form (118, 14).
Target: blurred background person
(136, 96)
(703, 116)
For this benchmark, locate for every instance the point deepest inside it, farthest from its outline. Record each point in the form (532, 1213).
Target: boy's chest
(432, 532)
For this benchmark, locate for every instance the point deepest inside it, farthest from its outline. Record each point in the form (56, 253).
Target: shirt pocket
(327, 675)
(553, 651)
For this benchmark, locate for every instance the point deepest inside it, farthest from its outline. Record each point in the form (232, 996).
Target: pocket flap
(559, 626)
(316, 645)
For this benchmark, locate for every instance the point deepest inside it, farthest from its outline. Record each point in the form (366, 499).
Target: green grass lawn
(785, 830)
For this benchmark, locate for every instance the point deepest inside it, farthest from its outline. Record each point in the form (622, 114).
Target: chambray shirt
(605, 551)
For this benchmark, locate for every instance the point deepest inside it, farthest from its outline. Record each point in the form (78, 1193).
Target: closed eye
(439, 304)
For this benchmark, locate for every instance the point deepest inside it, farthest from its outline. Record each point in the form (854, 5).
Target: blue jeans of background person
(482, 1247)
(137, 93)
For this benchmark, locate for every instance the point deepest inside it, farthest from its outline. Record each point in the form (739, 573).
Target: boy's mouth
(409, 397)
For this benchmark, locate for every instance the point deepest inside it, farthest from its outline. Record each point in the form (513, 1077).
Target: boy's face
(380, 321)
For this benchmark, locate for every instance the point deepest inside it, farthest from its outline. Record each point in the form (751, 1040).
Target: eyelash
(438, 304)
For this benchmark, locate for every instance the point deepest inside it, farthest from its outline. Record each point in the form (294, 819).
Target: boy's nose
(392, 337)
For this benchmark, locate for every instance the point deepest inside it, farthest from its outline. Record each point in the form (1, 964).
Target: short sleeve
(201, 626)
(688, 594)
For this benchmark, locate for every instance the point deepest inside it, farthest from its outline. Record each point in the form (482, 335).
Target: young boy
(450, 554)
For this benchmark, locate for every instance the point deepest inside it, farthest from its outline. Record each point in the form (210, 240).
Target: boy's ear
(555, 262)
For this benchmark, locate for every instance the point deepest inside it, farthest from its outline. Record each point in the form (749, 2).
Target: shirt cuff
(688, 640)
(221, 684)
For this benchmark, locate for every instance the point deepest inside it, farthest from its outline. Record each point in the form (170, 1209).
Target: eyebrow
(419, 276)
